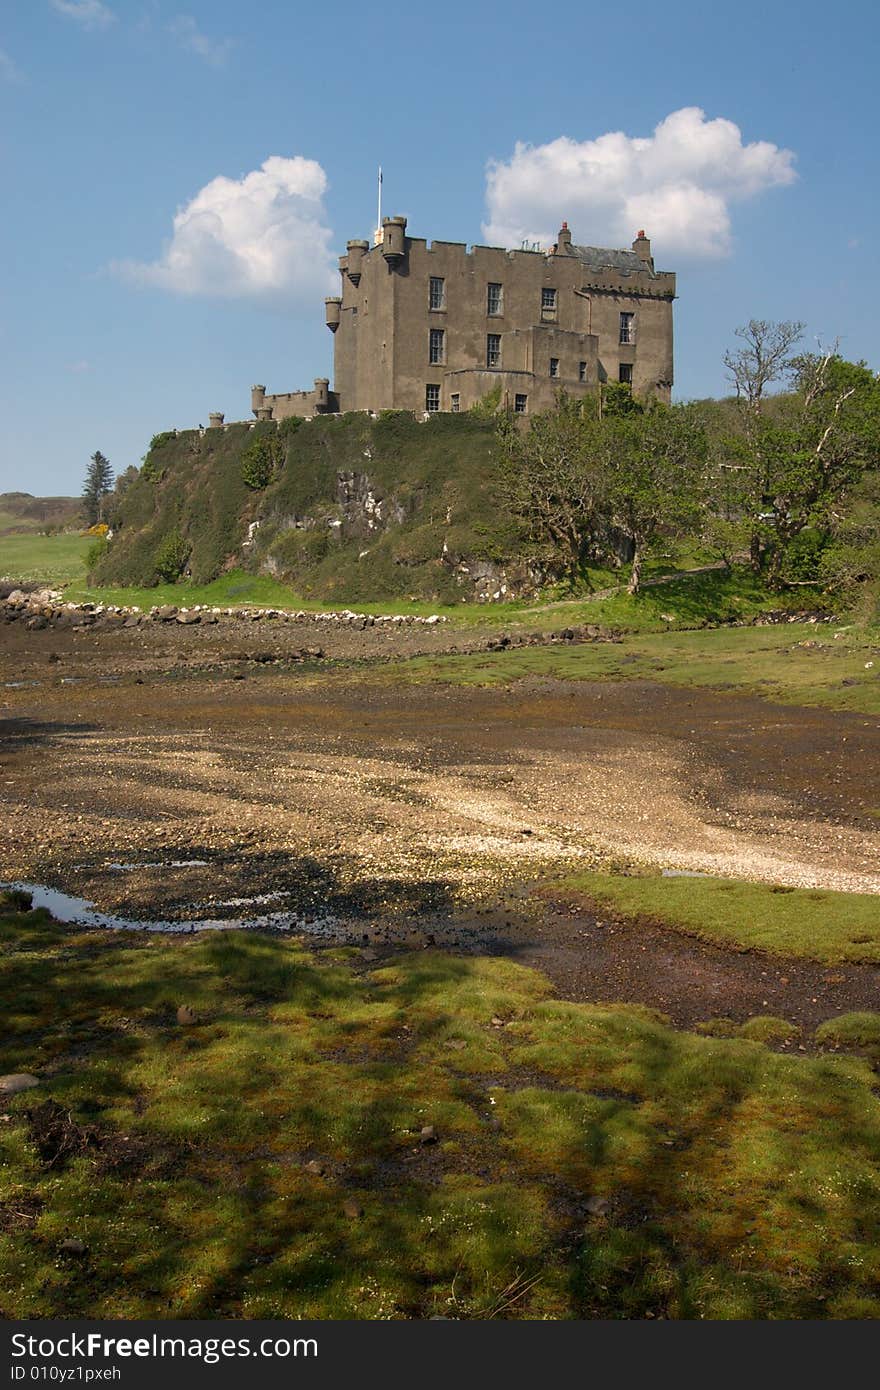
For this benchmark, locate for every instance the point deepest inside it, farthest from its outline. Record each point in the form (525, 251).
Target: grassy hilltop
(352, 507)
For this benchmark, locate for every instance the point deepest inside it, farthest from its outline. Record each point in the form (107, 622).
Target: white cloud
(189, 36)
(678, 183)
(261, 237)
(9, 72)
(91, 14)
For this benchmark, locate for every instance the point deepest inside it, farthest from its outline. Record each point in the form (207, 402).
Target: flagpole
(378, 236)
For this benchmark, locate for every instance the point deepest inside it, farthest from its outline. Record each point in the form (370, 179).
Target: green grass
(737, 1182)
(46, 559)
(816, 923)
(768, 661)
(686, 599)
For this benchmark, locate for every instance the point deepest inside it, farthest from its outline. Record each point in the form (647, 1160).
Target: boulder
(16, 1081)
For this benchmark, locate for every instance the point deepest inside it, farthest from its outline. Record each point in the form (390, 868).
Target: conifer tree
(98, 483)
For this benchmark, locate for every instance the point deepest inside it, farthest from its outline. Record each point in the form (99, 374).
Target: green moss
(815, 923)
(853, 1029)
(586, 1160)
(767, 1029)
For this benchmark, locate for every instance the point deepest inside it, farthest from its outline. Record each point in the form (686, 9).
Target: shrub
(152, 471)
(288, 428)
(260, 460)
(489, 403)
(96, 552)
(171, 555)
(160, 440)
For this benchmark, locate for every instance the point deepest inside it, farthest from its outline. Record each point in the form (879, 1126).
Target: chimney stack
(642, 248)
(563, 241)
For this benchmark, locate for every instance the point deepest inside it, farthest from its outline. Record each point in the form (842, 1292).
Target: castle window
(432, 399)
(554, 366)
(437, 293)
(436, 352)
(582, 371)
(625, 375)
(494, 299)
(455, 402)
(627, 328)
(519, 403)
(493, 349)
(548, 303)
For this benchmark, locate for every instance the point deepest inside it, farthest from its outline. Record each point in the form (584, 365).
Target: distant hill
(352, 508)
(20, 513)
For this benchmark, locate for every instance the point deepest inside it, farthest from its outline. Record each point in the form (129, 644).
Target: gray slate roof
(603, 258)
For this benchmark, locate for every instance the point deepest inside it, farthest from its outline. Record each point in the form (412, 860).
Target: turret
(393, 239)
(333, 312)
(322, 392)
(215, 420)
(642, 248)
(356, 251)
(258, 396)
(264, 412)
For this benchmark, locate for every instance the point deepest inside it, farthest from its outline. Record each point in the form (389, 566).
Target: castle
(430, 328)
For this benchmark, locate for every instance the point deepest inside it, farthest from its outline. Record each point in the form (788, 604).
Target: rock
(188, 617)
(497, 1022)
(16, 1081)
(316, 1167)
(428, 1135)
(353, 1209)
(166, 613)
(186, 1016)
(72, 1246)
(598, 1206)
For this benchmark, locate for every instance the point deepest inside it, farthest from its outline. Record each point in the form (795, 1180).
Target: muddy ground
(427, 814)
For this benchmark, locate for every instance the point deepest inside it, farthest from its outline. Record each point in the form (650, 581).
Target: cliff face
(349, 507)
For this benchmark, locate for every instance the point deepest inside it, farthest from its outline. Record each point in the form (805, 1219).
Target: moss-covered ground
(810, 922)
(269, 1159)
(795, 663)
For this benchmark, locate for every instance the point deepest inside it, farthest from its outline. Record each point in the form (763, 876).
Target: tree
(817, 451)
(656, 466)
(98, 483)
(764, 359)
(551, 479)
(261, 459)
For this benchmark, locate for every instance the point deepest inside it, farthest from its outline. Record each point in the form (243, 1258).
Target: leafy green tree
(261, 459)
(764, 359)
(551, 478)
(171, 555)
(655, 477)
(815, 453)
(98, 483)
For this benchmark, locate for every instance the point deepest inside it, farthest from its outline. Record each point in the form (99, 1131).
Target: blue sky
(116, 116)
